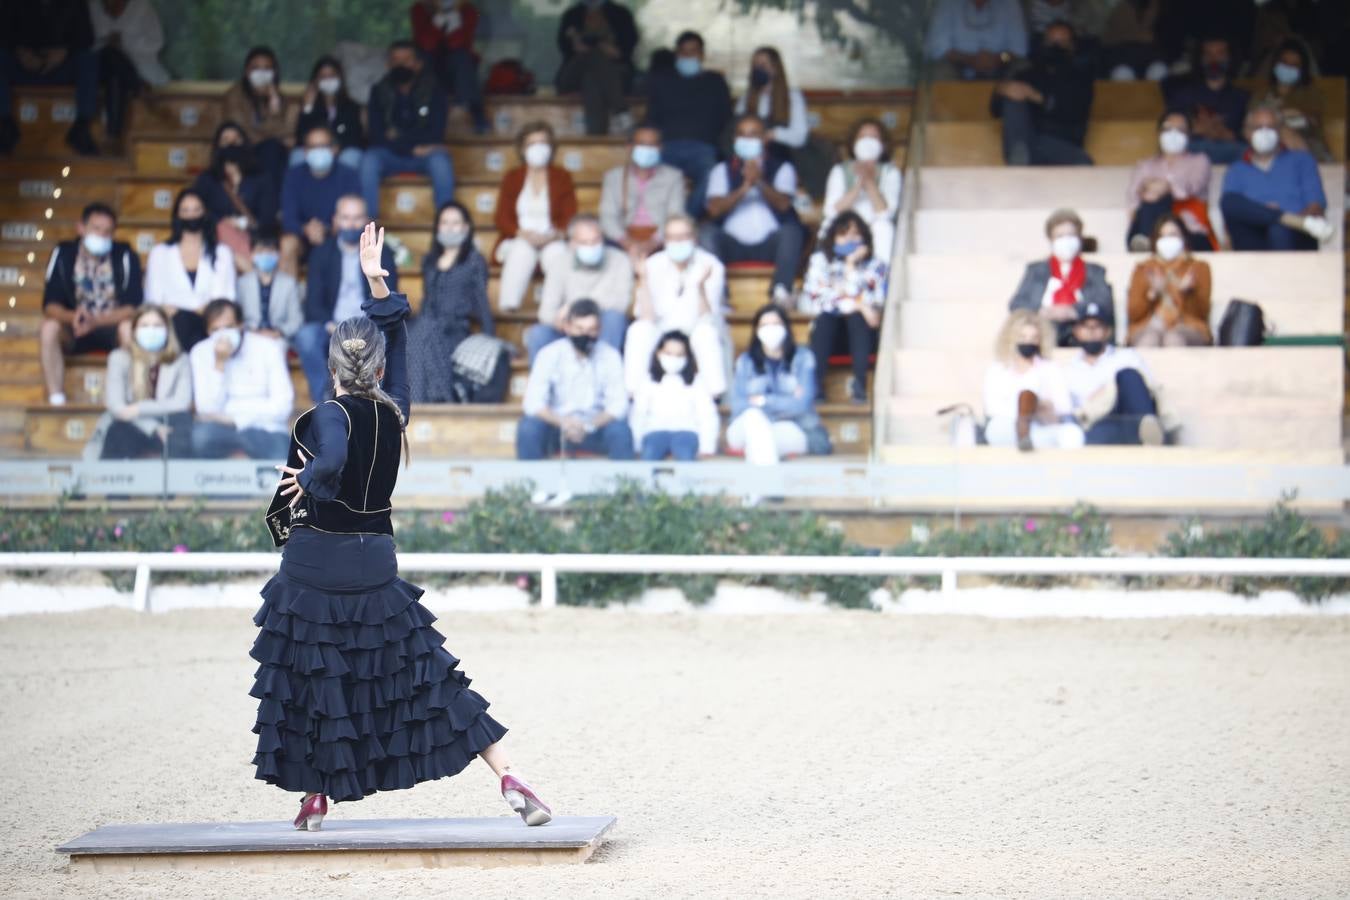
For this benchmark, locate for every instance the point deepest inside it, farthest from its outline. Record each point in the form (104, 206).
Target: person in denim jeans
(773, 392)
(407, 114)
(691, 106)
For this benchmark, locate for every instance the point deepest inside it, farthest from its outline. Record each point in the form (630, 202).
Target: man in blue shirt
(407, 114)
(309, 197)
(974, 39)
(1273, 197)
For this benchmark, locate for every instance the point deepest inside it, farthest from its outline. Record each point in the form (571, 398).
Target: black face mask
(583, 343)
(1093, 348)
(759, 78)
(1216, 70)
(1029, 351)
(1055, 55)
(193, 225)
(401, 75)
(233, 154)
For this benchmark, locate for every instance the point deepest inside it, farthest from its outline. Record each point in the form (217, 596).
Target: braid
(355, 357)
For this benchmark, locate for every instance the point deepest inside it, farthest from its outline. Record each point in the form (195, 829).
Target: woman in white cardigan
(190, 269)
(867, 183)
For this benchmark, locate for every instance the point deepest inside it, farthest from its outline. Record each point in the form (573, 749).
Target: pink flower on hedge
(448, 516)
(1073, 529)
(1030, 525)
(180, 548)
(523, 582)
(117, 532)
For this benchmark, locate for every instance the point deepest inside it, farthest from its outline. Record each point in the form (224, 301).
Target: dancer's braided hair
(356, 357)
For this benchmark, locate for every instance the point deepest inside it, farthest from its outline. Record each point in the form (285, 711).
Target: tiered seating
(168, 143)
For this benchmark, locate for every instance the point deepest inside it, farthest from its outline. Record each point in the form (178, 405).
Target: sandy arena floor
(836, 755)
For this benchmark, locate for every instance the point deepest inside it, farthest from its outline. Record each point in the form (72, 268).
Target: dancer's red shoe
(312, 812)
(524, 800)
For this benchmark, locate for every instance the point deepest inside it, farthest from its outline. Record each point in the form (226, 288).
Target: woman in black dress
(356, 693)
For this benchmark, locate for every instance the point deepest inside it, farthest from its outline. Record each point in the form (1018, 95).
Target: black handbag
(1243, 325)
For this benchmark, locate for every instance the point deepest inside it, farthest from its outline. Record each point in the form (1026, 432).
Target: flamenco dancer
(356, 693)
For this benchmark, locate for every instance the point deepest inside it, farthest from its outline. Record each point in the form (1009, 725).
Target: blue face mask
(843, 249)
(266, 261)
(1286, 74)
(644, 156)
(688, 66)
(590, 254)
(350, 235)
(152, 338)
(319, 159)
(749, 147)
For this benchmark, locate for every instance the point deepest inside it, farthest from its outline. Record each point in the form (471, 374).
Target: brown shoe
(1026, 411)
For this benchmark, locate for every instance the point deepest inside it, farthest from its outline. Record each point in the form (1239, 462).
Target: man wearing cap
(1108, 385)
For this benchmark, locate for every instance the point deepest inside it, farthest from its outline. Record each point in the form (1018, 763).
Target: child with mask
(673, 416)
(270, 297)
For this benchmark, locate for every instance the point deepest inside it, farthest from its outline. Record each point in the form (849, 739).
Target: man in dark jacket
(92, 291)
(335, 291)
(48, 42)
(596, 39)
(692, 106)
(407, 114)
(1045, 107)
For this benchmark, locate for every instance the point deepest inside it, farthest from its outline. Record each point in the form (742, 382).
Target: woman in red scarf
(1053, 286)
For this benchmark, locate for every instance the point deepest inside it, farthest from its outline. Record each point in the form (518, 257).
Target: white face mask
(1170, 246)
(538, 155)
(672, 365)
(330, 86)
(260, 78)
(680, 251)
(1265, 140)
(772, 336)
(867, 149)
(1172, 141)
(1066, 247)
(231, 336)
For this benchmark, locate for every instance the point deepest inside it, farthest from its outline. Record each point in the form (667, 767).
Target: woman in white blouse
(782, 108)
(190, 269)
(867, 183)
(1026, 399)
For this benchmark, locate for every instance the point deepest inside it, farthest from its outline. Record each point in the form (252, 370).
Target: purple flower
(1073, 529)
(117, 532)
(4, 538)
(448, 516)
(523, 582)
(1030, 525)
(180, 548)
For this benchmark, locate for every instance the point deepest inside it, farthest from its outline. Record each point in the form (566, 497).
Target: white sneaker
(1319, 227)
(781, 295)
(1150, 431)
(56, 399)
(559, 499)
(539, 498)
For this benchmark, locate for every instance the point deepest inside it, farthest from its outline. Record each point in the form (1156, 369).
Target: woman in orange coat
(534, 205)
(1169, 293)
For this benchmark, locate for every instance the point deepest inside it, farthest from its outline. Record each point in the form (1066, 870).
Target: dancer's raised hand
(372, 260)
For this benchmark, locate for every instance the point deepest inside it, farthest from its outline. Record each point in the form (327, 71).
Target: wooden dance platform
(341, 844)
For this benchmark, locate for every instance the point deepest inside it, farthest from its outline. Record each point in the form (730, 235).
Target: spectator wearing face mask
(1053, 287)
(575, 398)
(1273, 197)
(1291, 90)
(238, 194)
(779, 106)
(309, 196)
(92, 289)
(148, 391)
(867, 183)
(1130, 43)
(845, 292)
(974, 39)
(1169, 293)
(1026, 399)
(1045, 106)
(454, 278)
(242, 389)
(1214, 105)
(679, 288)
(444, 31)
(637, 197)
(584, 268)
(596, 39)
(773, 395)
(750, 204)
(269, 298)
(1173, 181)
(692, 107)
(335, 290)
(407, 113)
(189, 269)
(1108, 385)
(268, 119)
(327, 104)
(535, 202)
(673, 415)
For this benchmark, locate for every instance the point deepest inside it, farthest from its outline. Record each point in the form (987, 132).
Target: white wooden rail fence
(549, 566)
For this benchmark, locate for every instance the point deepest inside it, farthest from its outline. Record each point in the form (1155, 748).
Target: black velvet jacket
(353, 446)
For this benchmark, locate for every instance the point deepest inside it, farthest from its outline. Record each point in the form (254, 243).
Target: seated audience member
(189, 269)
(534, 204)
(309, 197)
(49, 42)
(781, 108)
(327, 104)
(575, 398)
(637, 197)
(868, 184)
(583, 267)
(1042, 15)
(773, 395)
(444, 31)
(92, 290)
(238, 194)
(127, 39)
(596, 39)
(241, 389)
(1129, 42)
(845, 292)
(673, 414)
(1174, 180)
(1026, 399)
(1108, 385)
(454, 285)
(692, 108)
(335, 290)
(1045, 106)
(1169, 293)
(1273, 197)
(974, 39)
(680, 288)
(1184, 24)
(1054, 286)
(750, 203)
(148, 395)
(1292, 92)
(1214, 105)
(268, 119)
(269, 297)
(407, 114)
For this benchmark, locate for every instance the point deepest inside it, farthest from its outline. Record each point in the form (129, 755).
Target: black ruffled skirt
(356, 693)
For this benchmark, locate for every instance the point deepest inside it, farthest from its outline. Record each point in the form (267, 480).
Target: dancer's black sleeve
(391, 314)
